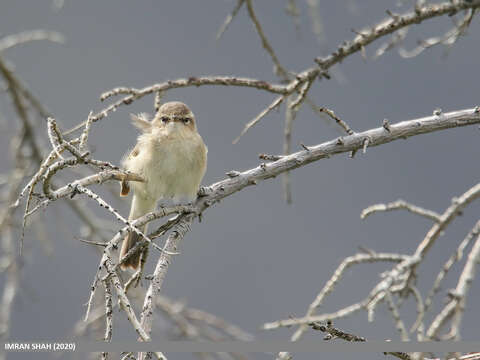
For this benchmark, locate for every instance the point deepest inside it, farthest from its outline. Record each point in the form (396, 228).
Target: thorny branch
(240, 180)
(301, 82)
(295, 88)
(26, 152)
(400, 279)
(222, 189)
(369, 35)
(333, 333)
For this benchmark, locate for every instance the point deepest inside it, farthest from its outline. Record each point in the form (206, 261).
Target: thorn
(363, 52)
(74, 192)
(325, 74)
(386, 125)
(358, 33)
(233, 173)
(269, 157)
(418, 10)
(366, 250)
(305, 147)
(437, 112)
(204, 191)
(453, 294)
(392, 15)
(366, 141)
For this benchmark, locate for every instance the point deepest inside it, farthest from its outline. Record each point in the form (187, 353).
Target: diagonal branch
(392, 24)
(377, 136)
(160, 272)
(241, 180)
(229, 19)
(397, 280)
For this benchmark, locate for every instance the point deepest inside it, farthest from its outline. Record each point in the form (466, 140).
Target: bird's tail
(140, 207)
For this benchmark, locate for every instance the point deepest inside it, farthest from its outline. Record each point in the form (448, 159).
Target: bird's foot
(204, 191)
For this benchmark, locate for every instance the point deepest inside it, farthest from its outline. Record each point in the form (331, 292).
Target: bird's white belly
(170, 173)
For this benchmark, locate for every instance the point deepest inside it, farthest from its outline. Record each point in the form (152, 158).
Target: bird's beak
(173, 125)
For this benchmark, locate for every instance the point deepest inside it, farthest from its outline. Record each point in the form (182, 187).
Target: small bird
(172, 158)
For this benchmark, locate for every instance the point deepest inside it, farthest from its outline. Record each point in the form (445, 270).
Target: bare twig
(279, 69)
(448, 39)
(171, 245)
(336, 333)
(290, 114)
(108, 315)
(400, 204)
(330, 285)
(385, 27)
(456, 306)
(229, 18)
(257, 118)
(10, 41)
(446, 267)
(390, 25)
(397, 279)
(399, 324)
(113, 246)
(339, 121)
(333, 332)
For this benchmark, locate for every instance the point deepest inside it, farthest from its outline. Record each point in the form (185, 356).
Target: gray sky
(254, 258)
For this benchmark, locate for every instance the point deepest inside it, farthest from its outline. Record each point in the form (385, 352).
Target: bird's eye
(164, 119)
(186, 120)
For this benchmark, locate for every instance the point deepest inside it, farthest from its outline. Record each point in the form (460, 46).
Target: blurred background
(253, 259)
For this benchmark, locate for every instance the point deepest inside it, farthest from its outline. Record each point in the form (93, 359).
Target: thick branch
(240, 180)
(377, 136)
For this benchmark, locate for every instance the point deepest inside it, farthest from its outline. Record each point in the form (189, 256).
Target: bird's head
(175, 116)
(172, 117)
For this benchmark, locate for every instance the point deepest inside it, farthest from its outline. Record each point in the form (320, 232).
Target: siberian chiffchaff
(172, 158)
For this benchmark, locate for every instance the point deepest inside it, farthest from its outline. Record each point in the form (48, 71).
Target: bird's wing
(124, 185)
(124, 188)
(141, 122)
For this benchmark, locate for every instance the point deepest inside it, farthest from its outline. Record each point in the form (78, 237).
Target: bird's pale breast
(173, 167)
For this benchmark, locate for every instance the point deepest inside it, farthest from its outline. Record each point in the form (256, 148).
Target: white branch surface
(377, 136)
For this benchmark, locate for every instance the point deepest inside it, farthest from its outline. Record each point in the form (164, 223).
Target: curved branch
(364, 38)
(133, 94)
(10, 41)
